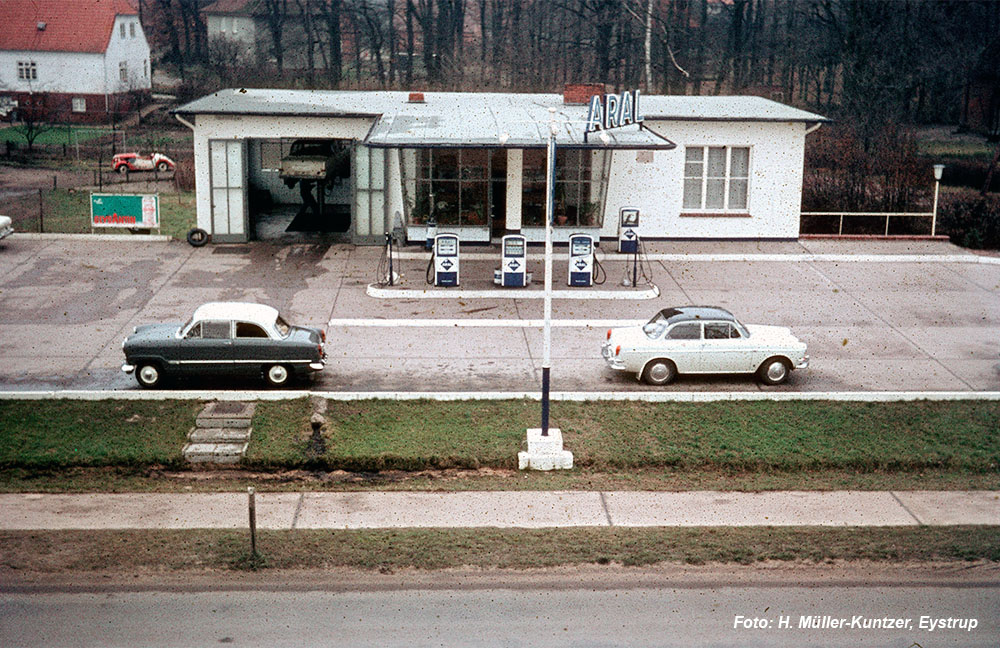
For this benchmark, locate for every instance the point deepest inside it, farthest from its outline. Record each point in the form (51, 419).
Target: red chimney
(416, 97)
(580, 93)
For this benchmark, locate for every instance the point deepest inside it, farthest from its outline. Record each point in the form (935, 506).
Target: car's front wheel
(149, 375)
(774, 371)
(162, 166)
(122, 169)
(277, 375)
(659, 372)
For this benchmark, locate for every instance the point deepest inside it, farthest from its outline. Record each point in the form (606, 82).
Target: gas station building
(474, 164)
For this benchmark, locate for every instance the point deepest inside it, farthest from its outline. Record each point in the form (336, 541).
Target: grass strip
(605, 437)
(431, 549)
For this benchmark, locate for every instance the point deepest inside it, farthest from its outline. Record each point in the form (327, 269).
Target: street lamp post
(550, 176)
(938, 171)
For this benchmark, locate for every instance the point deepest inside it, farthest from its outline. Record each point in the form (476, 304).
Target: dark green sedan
(225, 339)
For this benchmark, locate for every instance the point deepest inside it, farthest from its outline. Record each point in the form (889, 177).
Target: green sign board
(125, 210)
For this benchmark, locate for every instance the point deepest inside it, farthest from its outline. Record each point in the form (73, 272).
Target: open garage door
(227, 159)
(370, 215)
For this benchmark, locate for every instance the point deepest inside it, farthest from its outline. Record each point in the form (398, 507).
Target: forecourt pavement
(498, 509)
(877, 315)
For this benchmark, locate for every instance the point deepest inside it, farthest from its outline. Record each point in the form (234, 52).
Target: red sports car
(126, 162)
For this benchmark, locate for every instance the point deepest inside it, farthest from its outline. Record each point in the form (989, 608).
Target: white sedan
(6, 227)
(703, 340)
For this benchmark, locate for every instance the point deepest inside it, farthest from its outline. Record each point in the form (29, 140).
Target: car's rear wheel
(659, 372)
(162, 166)
(122, 169)
(149, 375)
(774, 371)
(277, 375)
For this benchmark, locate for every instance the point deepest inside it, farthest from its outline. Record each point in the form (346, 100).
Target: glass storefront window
(452, 186)
(577, 192)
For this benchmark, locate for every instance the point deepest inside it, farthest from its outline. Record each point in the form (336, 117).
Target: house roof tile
(69, 25)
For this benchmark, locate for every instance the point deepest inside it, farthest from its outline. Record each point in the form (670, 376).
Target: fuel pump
(628, 230)
(581, 260)
(513, 271)
(444, 261)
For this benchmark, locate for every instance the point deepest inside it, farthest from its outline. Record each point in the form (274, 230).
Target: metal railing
(887, 215)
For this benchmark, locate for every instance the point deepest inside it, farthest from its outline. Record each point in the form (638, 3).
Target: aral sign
(613, 111)
(125, 210)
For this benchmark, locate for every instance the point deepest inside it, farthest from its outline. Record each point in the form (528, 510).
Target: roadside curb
(137, 238)
(651, 397)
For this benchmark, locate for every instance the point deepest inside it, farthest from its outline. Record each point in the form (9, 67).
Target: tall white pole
(937, 186)
(549, 208)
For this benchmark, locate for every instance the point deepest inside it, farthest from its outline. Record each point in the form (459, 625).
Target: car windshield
(282, 326)
(654, 327)
(744, 331)
(185, 326)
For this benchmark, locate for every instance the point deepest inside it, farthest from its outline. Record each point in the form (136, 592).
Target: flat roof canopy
(488, 120)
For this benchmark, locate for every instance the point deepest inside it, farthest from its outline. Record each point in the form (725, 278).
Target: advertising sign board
(133, 211)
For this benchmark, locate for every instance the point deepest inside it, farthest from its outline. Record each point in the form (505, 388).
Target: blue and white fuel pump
(581, 260)
(628, 230)
(446, 270)
(513, 272)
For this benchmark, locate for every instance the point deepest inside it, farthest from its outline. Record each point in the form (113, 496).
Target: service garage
(348, 166)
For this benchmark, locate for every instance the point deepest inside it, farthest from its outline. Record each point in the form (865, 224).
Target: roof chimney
(416, 97)
(580, 93)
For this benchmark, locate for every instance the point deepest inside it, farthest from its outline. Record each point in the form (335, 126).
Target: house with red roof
(69, 60)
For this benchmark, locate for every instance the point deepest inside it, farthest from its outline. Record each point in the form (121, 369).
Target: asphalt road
(905, 325)
(615, 609)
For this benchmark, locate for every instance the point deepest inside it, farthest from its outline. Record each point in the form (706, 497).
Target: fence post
(41, 211)
(253, 521)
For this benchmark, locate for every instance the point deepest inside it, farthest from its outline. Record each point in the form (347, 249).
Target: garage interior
(284, 206)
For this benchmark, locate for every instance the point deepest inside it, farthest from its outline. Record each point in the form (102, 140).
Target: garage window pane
(270, 156)
(692, 193)
(363, 212)
(715, 193)
(362, 168)
(717, 162)
(738, 194)
(377, 168)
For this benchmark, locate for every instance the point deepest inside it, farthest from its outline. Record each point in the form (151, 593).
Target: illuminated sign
(613, 111)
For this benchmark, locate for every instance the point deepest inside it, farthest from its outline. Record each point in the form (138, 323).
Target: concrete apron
(384, 510)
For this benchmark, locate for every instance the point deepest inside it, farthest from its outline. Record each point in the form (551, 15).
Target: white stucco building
(474, 164)
(73, 60)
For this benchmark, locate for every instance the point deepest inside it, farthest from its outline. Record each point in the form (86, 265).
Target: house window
(131, 30)
(145, 69)
(717, 178)
(223, 23)
(27, 71)
(123, 71)
(121, 29)
(79, 104)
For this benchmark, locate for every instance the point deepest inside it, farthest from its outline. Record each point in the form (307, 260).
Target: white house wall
(656, 188)
(246, 127)
(133, 51)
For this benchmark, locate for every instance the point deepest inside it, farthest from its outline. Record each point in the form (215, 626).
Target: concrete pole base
(545, 453)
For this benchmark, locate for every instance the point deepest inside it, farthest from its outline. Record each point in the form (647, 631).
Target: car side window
(717, 330)
(734, 332)
(685, 331)
(248, 330)
(215, 330)
(195, 332)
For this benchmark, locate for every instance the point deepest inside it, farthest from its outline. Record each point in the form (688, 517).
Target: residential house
(69, 60)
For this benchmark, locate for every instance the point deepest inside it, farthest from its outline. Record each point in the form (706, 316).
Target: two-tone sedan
(225, 339)
(703, 340)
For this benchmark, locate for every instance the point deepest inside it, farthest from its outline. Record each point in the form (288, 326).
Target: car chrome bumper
(5, 232)
(609, 357)
(804, 364)
(317, 366)
(127, 368)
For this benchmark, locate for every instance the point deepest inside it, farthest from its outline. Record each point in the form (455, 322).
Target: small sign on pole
(133, 211)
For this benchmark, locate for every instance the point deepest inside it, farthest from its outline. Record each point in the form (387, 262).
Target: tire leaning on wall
(197, 237)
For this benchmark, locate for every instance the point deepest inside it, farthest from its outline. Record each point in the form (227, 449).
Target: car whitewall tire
(774, 371)
(277, 375)
(148, 375)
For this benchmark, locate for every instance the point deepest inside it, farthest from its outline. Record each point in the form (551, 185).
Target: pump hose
(429, 275)
(598, 272)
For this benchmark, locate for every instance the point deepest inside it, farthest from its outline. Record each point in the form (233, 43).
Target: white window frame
(121, 30)
(123, 71)
(79, 104)
(131, 30)
(727, 180)
(27, 71)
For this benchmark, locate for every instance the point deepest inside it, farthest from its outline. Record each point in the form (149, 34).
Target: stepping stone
(219, 435)
(220, 414)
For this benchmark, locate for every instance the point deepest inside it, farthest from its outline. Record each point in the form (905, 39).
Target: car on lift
(225, 339)
(127, 162)
(316, 160)
(6, 227)
(703, 340)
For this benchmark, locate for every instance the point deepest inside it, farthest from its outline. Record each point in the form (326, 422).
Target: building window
(79, 104)
(270, 155)
(123, 71)
(131, 30)
(717, 178)
(577, 192)
(452, 186)
(223, 24)
(145, 68)
(121, 29)
(27, 71)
